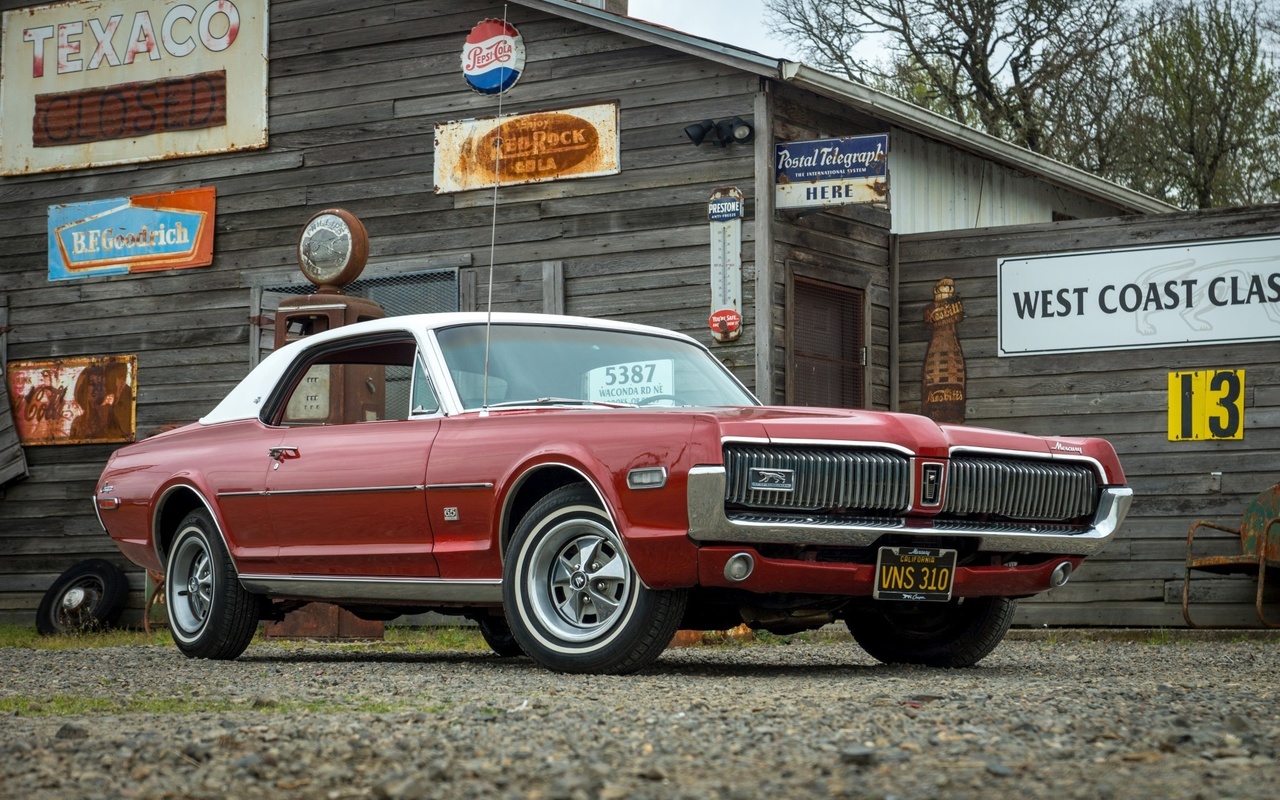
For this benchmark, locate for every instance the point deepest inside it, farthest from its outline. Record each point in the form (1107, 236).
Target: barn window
(826, 344)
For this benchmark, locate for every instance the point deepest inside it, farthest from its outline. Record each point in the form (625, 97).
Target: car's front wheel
(956, 634)
(210, 613)
(574, 601)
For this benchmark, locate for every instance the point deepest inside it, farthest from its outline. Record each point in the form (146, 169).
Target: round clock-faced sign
(333, 248)
(493, 57)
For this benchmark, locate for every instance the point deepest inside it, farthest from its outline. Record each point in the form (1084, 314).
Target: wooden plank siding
(355, 90)
(1121, 396)
(846, 245)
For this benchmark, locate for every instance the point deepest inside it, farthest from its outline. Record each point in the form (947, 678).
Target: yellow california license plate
(914, 573)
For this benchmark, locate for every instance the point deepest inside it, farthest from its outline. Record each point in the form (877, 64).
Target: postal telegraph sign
(1163, 296)
(832, 172)
(92, 83)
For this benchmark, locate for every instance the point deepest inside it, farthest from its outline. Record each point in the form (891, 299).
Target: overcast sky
(737, 22)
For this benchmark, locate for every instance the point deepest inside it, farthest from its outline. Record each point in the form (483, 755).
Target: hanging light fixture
(722, 133)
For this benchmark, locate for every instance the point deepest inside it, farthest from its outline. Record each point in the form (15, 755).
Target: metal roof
(882, 106)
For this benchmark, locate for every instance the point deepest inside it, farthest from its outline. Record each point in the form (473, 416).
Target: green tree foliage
(1204, 127)
(1179, 101)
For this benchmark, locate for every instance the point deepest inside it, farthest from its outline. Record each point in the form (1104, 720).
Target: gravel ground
(1048, 717)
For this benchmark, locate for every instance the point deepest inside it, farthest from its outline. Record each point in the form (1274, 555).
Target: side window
(424, 396)
(361, 381)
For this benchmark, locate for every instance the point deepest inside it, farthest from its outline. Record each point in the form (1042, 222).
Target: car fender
(661, 551)
(164, 515)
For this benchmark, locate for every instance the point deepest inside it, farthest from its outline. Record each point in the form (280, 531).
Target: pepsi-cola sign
(493, 57)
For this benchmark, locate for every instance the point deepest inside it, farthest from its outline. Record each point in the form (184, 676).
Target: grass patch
(400, 638)
(28, 638)
(433, 639)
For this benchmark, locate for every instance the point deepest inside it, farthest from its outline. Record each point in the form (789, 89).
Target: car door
(345, 484)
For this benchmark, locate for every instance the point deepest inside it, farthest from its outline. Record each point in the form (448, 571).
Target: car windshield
(550, 364)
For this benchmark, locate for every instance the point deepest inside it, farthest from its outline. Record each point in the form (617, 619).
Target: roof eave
(890, 109)
(922, 121)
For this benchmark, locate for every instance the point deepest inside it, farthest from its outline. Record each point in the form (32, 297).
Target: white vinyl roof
(246, 399)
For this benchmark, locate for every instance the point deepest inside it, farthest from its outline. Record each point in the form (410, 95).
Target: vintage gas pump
(332, 251)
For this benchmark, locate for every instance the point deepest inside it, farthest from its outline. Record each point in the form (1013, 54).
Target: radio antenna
(493, 236)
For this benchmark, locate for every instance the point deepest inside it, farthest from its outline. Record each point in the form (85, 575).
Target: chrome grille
(825, 478)
(1026, 490)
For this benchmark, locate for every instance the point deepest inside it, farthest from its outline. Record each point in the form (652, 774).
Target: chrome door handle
(283, 452)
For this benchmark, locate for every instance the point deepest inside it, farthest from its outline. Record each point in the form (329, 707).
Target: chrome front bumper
(709, 523)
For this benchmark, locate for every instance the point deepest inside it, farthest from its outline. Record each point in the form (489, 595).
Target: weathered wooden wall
(355, 90)
(846, 245)
(1122, 396)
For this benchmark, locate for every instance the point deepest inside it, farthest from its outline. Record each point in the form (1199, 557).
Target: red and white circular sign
(725, 323)
(493, 57)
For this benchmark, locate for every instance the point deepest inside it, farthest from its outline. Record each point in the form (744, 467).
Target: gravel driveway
(1039, 718)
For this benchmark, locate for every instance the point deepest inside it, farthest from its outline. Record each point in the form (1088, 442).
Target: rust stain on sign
(528, 148)
(128, 110)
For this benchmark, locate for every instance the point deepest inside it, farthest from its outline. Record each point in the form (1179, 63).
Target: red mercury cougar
(584, 488)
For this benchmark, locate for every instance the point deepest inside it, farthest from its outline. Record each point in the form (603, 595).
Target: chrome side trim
(434, 486)
(98, 513)
(708, 523)
(348, 490)
(339, 490)
(377, 590)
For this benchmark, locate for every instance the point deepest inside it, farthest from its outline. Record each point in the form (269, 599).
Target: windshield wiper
(559, 401)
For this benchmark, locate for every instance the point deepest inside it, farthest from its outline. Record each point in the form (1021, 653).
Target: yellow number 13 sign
(1206, 405)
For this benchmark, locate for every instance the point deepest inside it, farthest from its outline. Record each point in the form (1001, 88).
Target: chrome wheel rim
(579, 581)
(190, 585)
(75, 608)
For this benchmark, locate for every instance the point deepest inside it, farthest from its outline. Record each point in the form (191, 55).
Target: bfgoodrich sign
(1166, 296)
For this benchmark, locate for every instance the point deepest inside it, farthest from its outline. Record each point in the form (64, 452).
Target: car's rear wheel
(956, 634)
(210, 613)
(573, 599)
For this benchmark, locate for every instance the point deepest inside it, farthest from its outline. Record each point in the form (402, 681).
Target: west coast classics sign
(832, 172)
(143, 233)
(93, 83)
(1162, 296)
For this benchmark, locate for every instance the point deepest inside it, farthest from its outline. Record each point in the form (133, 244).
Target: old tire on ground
(574, 602)
(87, 597)
(497, 634)
(955, 634)
(210, 613)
